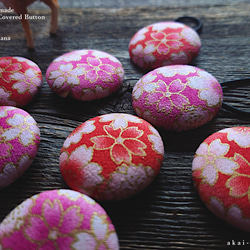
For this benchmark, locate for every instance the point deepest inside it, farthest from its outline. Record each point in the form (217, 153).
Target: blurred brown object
(20, 7)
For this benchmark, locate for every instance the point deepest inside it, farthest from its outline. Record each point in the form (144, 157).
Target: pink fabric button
(177, 97)
(58, 219)
(111, 157)
(221, 174)
(20, 81)
(164, 43)
(19, 139)
(85, 74)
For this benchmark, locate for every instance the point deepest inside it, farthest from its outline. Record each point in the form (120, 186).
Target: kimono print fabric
(85, 74)
(164, 43)
(20, 81)
(58, 219)
(221, 175)
(19, 140)
(111, 157)
(177, 97)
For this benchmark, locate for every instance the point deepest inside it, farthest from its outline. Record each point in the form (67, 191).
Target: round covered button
(19, 140)
(164, 43)
(85, 74)
(177, 97)
(111, 157)
(221, 174)
(20, 81)
(58, 219)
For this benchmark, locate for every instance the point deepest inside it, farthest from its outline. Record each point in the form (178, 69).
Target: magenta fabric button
(177, 97)
(221, 174)
(164, 43)
(20, 81)
(85, 74)
(19, 139)
(111, 157)
(58, 219)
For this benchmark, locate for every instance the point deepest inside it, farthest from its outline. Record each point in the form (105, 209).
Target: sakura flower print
(177, 97)
(85, 74)
(111, 157)
(19, 140)
(58, 219)
(20, 81)
(221, 175)
(164, 43)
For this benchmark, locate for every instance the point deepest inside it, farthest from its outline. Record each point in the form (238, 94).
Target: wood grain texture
(169, 213)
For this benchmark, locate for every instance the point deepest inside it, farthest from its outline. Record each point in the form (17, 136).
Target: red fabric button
(20, 81)
(112, 156)
(164, 43)
(221, 174)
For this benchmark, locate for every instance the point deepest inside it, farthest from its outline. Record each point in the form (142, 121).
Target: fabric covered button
(20, 81)
(111, 157)
(221, 174)
(164, 43)
(177, 97)
(85, 74)
(19, 139)
(58, 219)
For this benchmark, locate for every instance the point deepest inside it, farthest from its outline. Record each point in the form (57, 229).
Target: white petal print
(210, 174)
(74, 138)
(26, 137)
(82, 155)
(11, 134)
(226, 166)
(59, 82)
(100, 227)
(86, 240)
(72, 80)
(16, 120)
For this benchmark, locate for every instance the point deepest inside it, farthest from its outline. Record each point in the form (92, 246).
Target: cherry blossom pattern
(233, 215)
(177, 97)
(20, 81)
(221, 175)
(89, 172)
(164, 43)
(127, 178)
(239, 135)
(75, 137)
(122, 151)
(19, 140)
(58, 219)
(85, 74)
(210, 160)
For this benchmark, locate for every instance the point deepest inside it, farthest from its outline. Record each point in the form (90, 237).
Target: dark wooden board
(169, 213)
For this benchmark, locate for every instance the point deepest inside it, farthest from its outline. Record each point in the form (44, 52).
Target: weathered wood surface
(169, 213)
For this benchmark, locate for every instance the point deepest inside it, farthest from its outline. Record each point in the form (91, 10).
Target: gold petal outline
(238, 130)
(64, 76)
(37, 75)
(9, 63)
(200, 90)
(166, 43)
(10, 94)
(236, 174)
(114, 138)
(91, 232)
(226, 210)
(163, 96)
(21, 130)
(214, 165)
(42, 217)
